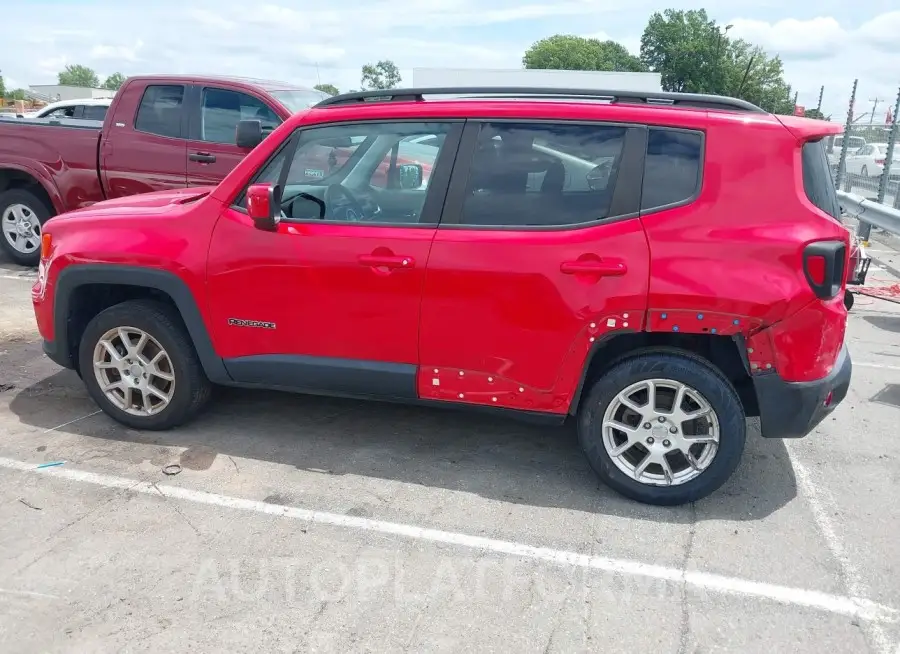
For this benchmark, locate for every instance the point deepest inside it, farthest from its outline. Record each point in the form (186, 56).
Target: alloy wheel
(661, 432)
(21, 228)
(134, 371)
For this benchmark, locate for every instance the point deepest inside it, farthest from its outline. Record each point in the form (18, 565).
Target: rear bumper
(793, 409)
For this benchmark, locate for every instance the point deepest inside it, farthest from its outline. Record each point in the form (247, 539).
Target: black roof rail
(660, 98)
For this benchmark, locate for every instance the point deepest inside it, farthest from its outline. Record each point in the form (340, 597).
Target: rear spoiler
(809, 129)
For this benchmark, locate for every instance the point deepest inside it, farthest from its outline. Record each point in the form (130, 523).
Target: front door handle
(599, 268)
(386, 261)
(202, 157)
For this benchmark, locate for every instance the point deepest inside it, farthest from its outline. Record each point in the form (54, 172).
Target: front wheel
(22, 214)
(663, 428)
(140, 367)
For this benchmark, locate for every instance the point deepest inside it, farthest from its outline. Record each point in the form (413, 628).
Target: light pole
(720, 34)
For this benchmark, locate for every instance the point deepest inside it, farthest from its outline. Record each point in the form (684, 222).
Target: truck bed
(65, 150)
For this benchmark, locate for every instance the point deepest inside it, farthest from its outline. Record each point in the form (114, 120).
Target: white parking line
(823, 507)
(27, 593)
(850, 606)
(71, 422)
(881, 366)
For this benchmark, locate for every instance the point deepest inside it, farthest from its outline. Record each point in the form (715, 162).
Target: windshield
(299, 99)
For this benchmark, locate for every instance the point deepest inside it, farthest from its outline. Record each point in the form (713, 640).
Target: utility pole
(796, 95)
(821, 94)
(874, 108)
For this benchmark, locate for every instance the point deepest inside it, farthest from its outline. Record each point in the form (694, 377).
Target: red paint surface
(514, 311)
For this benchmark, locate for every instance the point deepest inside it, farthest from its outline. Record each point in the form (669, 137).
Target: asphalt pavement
(303, 524)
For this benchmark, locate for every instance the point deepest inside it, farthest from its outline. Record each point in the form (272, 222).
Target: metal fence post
(842, 162)
(889, 156)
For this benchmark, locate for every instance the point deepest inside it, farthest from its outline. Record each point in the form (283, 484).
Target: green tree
(15, 94)
(114, 82)
(78, 75)
(382, 75)
(815, 113)
(694, 55)
(2, 88)
(568, 52)
(330, 89)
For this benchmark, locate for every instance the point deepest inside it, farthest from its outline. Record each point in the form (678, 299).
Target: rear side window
(672, 168)
(542, 174)
(161, 110)
(817, 181)
(95, 112)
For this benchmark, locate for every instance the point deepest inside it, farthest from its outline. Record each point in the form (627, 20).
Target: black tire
(688, 369)
(192, 388)
(38, 208)
(848, 300)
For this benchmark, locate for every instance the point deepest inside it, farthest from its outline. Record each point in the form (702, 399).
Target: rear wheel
(663, 429)
(22, 213)
(139, 365)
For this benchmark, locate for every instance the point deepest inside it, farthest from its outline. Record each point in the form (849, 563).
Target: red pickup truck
(161, 132)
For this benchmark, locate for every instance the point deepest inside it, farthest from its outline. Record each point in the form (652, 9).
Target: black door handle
(202, 157)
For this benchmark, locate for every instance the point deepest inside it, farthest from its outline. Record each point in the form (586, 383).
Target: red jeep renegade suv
(658, 267)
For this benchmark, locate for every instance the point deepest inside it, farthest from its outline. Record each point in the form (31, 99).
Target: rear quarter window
(672, 168)
(817, 182)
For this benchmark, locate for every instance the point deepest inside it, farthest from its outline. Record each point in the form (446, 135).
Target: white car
(84, 108)
(868, 161)
(835, 144)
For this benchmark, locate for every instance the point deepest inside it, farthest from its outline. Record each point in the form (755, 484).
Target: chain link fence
(865, 158)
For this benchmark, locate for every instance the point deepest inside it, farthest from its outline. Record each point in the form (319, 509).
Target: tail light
(880, 162)
(824, 264)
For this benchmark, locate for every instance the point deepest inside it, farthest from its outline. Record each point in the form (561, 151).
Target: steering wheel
(341, 204)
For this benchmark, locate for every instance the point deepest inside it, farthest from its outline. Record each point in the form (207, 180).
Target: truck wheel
(21, 215)
(663, 428)
(140, 366)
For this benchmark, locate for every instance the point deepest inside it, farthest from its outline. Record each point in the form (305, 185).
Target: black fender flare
(76, 275)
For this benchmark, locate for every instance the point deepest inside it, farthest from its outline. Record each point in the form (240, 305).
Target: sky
(822, 42)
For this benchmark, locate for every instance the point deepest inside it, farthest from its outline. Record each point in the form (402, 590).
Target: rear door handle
(386, 261)
(610, 268)
(202, 157)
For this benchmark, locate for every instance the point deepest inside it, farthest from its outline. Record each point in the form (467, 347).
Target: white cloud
(824, 51)
(815, 38)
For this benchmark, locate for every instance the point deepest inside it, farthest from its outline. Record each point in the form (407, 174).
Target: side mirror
(411, 176)
(248, 133)
(264, 205)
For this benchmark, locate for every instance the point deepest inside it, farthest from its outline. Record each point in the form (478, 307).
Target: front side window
(221, 110)
(542, 174)
(160, 110)
(62, 112)
(366, 172)
(672, 168)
